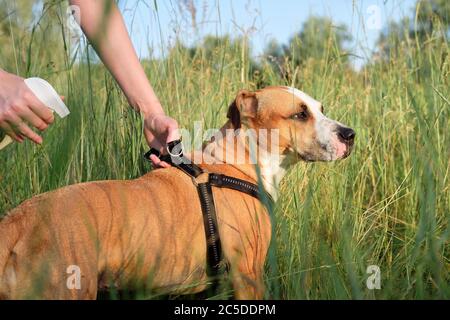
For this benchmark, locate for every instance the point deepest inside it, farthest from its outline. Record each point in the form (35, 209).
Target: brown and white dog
(148, 233)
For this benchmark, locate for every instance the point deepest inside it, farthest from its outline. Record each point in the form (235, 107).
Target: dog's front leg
(248, 285)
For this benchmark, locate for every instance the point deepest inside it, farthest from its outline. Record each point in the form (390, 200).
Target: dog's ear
(234, 115)
(245, 105)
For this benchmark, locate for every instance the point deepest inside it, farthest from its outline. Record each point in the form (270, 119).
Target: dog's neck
(223, 149)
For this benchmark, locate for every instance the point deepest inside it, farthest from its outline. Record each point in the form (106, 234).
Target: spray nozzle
(47, 95)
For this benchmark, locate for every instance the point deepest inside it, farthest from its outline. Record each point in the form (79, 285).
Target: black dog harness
(204, 181)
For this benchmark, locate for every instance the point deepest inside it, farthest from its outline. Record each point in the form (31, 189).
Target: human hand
(159, 130)
(19, 107)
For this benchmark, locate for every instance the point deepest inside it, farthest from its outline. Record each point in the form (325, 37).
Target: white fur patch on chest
(272, 172)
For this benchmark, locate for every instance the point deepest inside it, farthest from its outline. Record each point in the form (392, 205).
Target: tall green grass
(388, 204)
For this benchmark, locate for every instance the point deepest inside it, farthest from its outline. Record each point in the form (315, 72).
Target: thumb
(152, 141)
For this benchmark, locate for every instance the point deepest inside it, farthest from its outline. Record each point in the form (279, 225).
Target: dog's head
(304, 131)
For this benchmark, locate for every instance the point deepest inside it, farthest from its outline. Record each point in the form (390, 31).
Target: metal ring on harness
(172, 145)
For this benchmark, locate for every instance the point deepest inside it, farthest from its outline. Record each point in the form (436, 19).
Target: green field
(388, 204)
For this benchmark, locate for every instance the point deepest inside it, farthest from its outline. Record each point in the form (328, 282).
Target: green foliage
(213, 52)
(432, 16)
(319, 40)
(33, 37)
(430, 23)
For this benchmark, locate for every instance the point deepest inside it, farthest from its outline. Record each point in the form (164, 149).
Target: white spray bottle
(48, 96)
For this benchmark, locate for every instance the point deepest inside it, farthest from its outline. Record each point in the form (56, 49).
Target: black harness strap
(223, 181)
(217, 265)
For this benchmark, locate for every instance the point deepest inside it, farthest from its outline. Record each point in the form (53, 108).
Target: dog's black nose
(346, 134)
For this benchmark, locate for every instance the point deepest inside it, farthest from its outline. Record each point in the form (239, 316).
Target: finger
(153, 142)
(10, 132)
(155, 161)
(30, 134)
(33, 119)
(62, 98)
(164, 164)
(157, 146)
(40, 109)
(21, 128)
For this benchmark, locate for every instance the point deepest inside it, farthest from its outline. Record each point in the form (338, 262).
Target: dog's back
(104, 228)
(36, 244)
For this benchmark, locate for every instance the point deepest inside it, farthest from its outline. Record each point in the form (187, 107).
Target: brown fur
(124, 230)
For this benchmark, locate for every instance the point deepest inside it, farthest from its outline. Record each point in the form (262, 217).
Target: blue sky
(157, 26)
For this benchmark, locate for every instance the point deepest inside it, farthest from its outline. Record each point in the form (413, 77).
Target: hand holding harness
(204, 181)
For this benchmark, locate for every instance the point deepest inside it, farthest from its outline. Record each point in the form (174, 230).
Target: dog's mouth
(306, 157)
(349, 146)
(336, 149)
(341, 149)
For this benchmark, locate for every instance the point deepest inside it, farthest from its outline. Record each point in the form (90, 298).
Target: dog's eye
(300, 116)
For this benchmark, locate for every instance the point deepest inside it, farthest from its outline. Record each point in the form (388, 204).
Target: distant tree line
(321, 39)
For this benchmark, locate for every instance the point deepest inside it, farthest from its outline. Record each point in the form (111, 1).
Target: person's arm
(103, 25)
